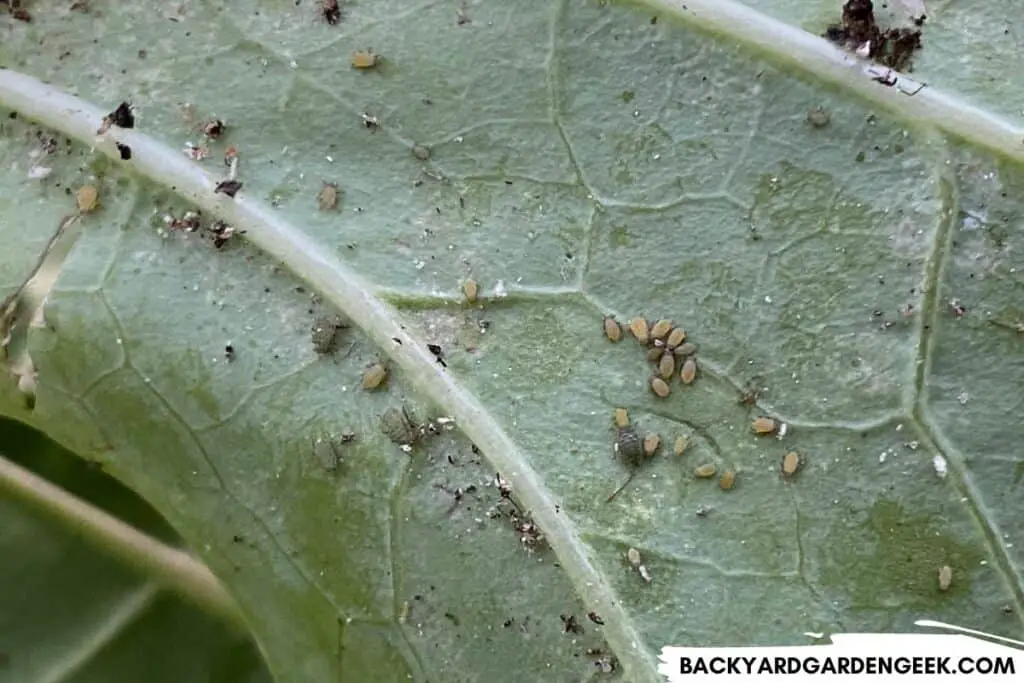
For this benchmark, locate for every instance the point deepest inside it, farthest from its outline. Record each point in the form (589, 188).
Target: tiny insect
(675, 338)
(640, 330)
(369, 121)
(654, 354)
(327, 198)
(374, 377)
(680, 446)
(818, 117)
(612, 329)
(124, 151)
(328, 452)
(687, 349)
(228, 187)
(659, 387)
(214, 128)
(330, 11)
(364, 59)
(87, 198)
(221, 232)
(705, 471)
(689, 371)
(628, 446)
(420, 152)
(470, 289)
(400, 426)
(765, 425)
(945, 577)
(667, 365)
(633, 557)
(728, 480)
(325, 333)
(791, 463)
(651, 444)
(660, 329)
(122, 117)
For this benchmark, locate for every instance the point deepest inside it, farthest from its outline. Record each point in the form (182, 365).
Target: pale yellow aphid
(689, 371)
(791, 463)
(945, 577)
(87, 198)
(621, 418)
(667, 365)
(659, 387)
(364, 59)
(638, 326)
(654, 354)
(682, 443)
(675, 338)
(765, 425)
(374, 376)
(327, 199)
(660, 329)
(633, 556)
(705, 471)
(612, 329)
(651, 443)
(470, 289)
(728, 480)
(687, 349)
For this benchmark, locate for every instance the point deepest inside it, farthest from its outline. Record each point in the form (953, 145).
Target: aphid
(791, 463)
(654, 354)
(228, 187)
(681, 444)
(945, 577)
(818, 117)
(705, 471)
(364, 59)
(612, 330)
(728, 480)
(638, 326)
(400, 426)
(628, 446)
(633, 557)
(765, 425)
(330, 11)
(374, 376)
(87, 198)
(122, 117)
(659, 387)
(689, 371)
(470, 289)
(687, 349)
(660, 329)
(327, 198)
(124, 151)
(651, 444)
(213, 129)
(325, 333)
(675, 338)
(420, 152)
(222, 232)
(667, 365)
(328, 452)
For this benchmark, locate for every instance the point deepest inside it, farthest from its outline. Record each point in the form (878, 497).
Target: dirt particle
(124, 151)
(228, 187)
(330, 11)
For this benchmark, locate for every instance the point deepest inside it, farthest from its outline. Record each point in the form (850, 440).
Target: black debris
(228, 187)
(125, 151)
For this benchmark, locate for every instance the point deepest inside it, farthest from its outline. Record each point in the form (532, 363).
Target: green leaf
(585, 159)
(73, 613)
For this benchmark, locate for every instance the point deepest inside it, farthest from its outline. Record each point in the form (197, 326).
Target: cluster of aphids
(667, 350)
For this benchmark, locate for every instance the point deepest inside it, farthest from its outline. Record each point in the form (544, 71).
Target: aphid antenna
(623, 486)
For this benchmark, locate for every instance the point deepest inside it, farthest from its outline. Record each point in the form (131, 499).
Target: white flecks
(781, 431)
(330, 159)
(864, 49)
(459, 139)
(899, 427)
(912, 445)
(499, 289)
(882, 456)
(816, 636)
(39, 172)
(962, 397)
(767, 299)
(940, 465)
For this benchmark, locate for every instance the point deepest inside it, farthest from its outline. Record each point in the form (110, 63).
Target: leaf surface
(585, 160)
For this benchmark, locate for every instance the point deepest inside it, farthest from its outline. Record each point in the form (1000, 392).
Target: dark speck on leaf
(593, 616)
(570, 625)
(228, 187)
(125, 151)
(122, 117)
(438, 353)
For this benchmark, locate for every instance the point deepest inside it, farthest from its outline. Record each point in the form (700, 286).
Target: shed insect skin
(680, 446)
(705, 471)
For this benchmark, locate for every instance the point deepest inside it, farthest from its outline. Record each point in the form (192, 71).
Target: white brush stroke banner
(855, 658)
